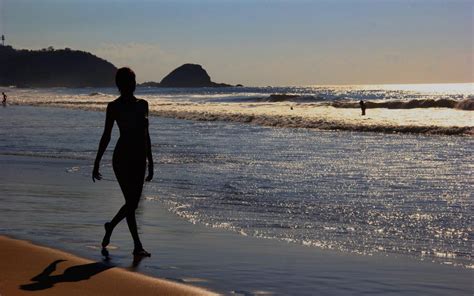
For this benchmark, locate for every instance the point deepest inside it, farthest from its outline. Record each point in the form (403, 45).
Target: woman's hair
(125, 80)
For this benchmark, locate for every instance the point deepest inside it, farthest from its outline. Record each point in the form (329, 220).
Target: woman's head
(125, 80)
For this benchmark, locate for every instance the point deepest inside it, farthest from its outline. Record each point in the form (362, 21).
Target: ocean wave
(273, 120)
(291, 233)
(294, 98)
(68, 102)
(93, 94)
(344, 102)
(53, 155)
(466, 104)
(302, 122)
(275, 98)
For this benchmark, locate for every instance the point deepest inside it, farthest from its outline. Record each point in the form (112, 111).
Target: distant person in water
(131, 153)
(362, 107)
(4, 100)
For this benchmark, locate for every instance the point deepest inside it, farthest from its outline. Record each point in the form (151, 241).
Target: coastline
(28, 267)
(48, 198)
(184, 252)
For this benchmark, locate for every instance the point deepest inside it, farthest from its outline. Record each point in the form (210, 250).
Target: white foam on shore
(446, 121)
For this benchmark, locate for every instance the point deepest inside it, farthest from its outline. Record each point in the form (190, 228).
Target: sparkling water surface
(354, 192)
(315, 93)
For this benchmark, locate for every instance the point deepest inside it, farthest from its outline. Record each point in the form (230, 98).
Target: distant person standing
(362, 107)
(4, 101)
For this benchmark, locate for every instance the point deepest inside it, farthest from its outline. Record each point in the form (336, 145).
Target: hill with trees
(54, 68)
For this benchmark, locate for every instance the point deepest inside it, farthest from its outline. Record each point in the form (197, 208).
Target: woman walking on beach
(131, 153)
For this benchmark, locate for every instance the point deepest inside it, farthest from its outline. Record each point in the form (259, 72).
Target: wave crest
(466, 104)
(301, 122)
(203, 112)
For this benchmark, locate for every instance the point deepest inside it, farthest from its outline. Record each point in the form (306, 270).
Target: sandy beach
(182, 252)
(28, 268)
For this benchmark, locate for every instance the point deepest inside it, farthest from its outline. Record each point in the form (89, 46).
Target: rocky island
(187, 75)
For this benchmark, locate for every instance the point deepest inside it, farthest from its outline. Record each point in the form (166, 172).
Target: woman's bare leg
(121, 214)
(131, 186)
(132, 222)
(109, 226)
(132, 226)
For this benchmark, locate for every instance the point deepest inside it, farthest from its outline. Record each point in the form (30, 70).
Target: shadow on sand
(76, 273)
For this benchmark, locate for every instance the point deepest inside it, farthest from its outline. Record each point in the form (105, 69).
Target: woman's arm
(149, 155)
(104, 142)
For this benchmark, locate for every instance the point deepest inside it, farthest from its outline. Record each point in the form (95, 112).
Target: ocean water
(424, 109)
(324, 93)
(365, 193)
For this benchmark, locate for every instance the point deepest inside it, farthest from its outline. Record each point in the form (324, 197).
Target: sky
(259, 42)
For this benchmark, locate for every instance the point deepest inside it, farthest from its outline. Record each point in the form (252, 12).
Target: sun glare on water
(439, 88)
(429, 88)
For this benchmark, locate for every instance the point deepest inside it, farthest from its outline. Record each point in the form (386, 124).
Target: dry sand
(28, 269)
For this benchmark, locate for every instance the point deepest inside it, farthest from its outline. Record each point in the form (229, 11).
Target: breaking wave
(445, 112)
(302, 122)
(278, 120)
(466, 104)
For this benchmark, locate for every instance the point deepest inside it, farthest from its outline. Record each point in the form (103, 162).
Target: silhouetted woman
(131, 153)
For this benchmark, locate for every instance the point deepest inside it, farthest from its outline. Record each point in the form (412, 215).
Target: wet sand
(50, 205)
(27, 268)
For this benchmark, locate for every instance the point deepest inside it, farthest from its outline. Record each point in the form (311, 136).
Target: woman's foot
(141, 252)
(108, 233)
(105, 253)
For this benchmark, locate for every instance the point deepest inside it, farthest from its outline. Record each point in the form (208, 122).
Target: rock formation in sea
(189, 75)
(54, 68)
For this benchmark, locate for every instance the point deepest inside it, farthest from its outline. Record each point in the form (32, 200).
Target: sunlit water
(354, 192)
(425, 109)
(457, 91)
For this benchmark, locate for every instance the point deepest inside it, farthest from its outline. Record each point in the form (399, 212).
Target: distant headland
(51, 67)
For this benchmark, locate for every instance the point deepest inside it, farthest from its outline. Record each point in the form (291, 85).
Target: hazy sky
(260, 42)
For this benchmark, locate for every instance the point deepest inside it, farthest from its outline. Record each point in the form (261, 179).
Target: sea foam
(388, 111)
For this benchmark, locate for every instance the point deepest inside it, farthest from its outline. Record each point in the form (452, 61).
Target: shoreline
(194, 254)
(31, 267)
(53, 202)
